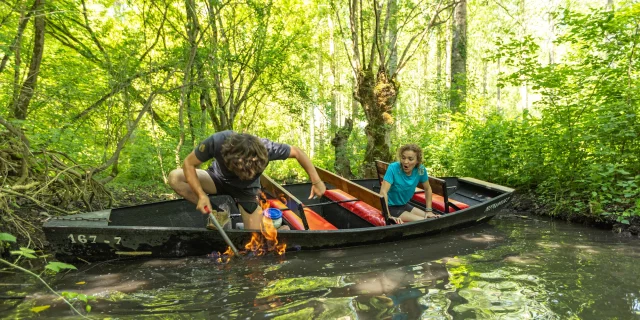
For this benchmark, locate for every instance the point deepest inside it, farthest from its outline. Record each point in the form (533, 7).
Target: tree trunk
(29, 85)
(377, 96)
(342, 165)
(459, 58)
(24, 19)
(441, 60)
(498, 92)
(193, 29)
(393, 36)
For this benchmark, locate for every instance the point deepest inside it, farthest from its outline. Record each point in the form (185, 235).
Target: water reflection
(510, 268)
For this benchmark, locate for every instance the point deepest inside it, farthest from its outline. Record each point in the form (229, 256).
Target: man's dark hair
(244, 155)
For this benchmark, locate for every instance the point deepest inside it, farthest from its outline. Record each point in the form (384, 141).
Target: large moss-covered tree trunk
(377, 95)
(377, 49)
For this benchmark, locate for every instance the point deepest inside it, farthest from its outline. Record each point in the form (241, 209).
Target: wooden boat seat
(315, 221)
(359, 208)
(437, 201)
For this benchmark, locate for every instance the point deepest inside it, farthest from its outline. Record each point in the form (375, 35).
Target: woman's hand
(396, 220)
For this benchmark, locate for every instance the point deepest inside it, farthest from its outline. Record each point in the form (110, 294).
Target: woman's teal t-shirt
(403, 186)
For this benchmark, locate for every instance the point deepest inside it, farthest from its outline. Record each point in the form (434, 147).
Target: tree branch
(21, 27)
(130, 130)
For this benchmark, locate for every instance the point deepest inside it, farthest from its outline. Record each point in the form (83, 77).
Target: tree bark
(342, 165)
(392, 8)
(377, 95)
(459, 58)
(193, 29)
(29, 85)
(24, 20)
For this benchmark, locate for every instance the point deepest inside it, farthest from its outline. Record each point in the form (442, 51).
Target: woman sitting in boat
(239, 162)
(399, 184)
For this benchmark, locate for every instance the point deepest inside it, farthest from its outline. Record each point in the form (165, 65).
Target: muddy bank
(527, 203)
(26, 221)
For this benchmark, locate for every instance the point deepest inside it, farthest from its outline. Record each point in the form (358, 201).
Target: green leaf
(624, 172)
(57, 266)
(27, 250)
(69, 295)
(88, 308)
(40, 308)
(625, 221)
(7, 237)
(24, 254)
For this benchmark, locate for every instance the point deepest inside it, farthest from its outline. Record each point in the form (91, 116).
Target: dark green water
(510, 268)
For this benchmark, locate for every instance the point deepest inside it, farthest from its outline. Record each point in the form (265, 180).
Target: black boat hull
(175, 229)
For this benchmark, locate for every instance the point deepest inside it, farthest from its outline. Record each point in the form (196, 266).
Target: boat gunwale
(87, 224)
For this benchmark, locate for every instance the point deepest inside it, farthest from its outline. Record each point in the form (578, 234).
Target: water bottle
(275, 215)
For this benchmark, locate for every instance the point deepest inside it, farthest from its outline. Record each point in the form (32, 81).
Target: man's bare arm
(318, 188)
(189, 166)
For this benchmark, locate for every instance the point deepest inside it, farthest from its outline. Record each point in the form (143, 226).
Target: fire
(260, 243)
(267, 240)
(229, 252)
(255, 245)
(270, 233)
(264, 204)
(221, 258)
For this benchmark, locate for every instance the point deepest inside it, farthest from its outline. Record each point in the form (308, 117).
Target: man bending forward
(240, 159)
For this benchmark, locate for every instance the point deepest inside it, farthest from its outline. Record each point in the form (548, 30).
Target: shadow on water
(511, 268)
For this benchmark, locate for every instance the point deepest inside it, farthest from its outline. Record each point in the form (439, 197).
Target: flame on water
(270, 233)
(255, 245)
(229, 252)
(260, 243)
(267, 240)
(221, 258)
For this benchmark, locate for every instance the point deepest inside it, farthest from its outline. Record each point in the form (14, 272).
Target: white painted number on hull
(81, 238)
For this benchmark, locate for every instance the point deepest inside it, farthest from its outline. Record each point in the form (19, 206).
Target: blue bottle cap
(272, 213)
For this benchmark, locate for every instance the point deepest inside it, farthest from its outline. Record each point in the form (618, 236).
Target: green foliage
(7, 237)
(57, 266)
(581, 152)
(71, 296)
(25, 252)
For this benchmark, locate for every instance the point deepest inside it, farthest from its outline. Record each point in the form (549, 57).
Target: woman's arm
(427, 193)
(384, 189)
(427, 197)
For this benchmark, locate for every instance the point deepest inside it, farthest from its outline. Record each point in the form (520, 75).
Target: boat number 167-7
(91, 239)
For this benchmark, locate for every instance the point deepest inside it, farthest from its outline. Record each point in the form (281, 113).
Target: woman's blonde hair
(415, 148)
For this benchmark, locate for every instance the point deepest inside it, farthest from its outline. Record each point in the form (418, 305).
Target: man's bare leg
(251, 220)
(179, 184)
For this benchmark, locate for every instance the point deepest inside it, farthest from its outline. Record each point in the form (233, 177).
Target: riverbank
(25, 222)
(528, 203)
